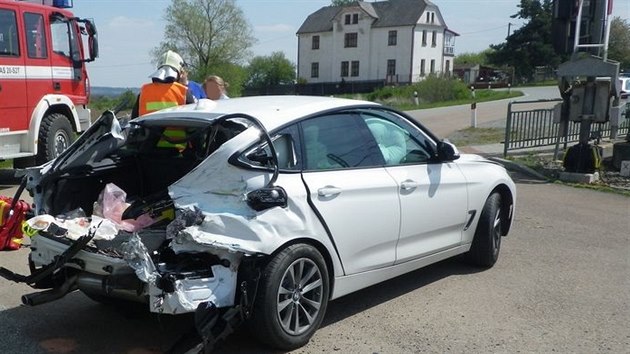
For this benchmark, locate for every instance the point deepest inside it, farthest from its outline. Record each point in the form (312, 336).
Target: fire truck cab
(44, 86)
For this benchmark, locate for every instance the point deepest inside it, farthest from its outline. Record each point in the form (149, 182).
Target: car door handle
(409, 185)
(328, 191)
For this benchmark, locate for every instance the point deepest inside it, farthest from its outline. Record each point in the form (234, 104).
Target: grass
(544, 165)
(477, 136)
(482, 96)
(401, 99)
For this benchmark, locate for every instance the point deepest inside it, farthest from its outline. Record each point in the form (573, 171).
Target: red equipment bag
(12, 215)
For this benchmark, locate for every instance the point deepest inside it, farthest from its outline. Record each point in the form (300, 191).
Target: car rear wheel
(486, 244)
(292, 298)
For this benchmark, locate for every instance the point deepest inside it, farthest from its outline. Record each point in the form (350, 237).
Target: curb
(513, 166)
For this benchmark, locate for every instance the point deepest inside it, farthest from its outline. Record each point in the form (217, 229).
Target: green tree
(270, 70)
(342, 2)
(531, 45)
(619, 43)
(480, 58)
(212, 36)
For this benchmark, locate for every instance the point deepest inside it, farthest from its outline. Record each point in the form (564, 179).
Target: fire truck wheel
(55, 135)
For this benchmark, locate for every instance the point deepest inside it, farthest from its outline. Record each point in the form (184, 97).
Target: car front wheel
(485, 247)
(292, 298)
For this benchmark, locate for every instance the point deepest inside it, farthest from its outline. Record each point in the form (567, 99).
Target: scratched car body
(268, 208)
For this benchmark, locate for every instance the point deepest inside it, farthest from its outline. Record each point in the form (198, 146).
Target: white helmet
(169, 66)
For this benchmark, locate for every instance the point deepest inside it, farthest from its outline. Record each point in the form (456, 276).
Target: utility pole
(509, 27)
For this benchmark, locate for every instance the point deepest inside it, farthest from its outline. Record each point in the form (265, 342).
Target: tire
(486, 244)
(55, 135)
(286, 314)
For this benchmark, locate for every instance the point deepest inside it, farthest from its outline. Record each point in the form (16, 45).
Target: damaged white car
(260, 208)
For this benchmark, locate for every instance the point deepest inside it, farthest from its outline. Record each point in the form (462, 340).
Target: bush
(432, 89)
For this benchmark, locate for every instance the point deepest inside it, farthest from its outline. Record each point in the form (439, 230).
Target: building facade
(398, 41)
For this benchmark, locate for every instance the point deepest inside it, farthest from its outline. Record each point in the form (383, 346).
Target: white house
(396, 40)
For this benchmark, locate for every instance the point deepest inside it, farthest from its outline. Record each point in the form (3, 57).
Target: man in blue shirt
(197, 91)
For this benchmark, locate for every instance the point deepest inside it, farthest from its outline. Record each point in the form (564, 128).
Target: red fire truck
(44, 86)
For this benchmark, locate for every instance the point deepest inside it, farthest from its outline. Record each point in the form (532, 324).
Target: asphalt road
(443, 121)
(561, 285)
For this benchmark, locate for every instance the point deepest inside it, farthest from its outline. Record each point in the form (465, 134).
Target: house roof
(390, 13)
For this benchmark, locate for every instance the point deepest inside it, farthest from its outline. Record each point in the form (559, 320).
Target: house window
(355, 68)
(434, 39)
(428, 17)
(315, 44)
(350, 40)
(351, 19)
(448, 66)
(314, 69)
(344, 68)
(424, 38)
(422, 64)
(432, 66)
(392, 38)
(432, 17)
(391, 67)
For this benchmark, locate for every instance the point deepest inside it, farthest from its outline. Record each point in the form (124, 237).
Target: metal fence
(535, 128)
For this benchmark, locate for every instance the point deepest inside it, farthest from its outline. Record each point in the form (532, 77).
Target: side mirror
(266, 198)
(92, 38)
(446, 151)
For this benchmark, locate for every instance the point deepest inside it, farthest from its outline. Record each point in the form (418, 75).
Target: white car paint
(371, 223)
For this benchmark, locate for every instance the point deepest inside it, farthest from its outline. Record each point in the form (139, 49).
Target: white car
(261, 208)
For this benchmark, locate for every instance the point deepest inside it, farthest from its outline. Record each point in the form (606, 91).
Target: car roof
(271, 111)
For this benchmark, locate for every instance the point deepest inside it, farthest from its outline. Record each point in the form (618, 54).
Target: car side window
(338, 141)
(395, 142)
(287, 146)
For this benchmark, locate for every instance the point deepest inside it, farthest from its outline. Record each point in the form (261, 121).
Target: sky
(128, 30)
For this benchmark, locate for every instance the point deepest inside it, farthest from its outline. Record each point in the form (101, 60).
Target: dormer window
(351, 19)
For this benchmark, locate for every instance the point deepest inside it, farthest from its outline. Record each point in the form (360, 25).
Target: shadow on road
(76, 324)
(350, 305)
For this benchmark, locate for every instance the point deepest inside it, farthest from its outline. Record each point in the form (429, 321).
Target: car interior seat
(316, 152)
(390, 140)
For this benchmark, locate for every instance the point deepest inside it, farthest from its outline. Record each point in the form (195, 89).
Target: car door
(12, 72)
(433, 194)
(351, 191)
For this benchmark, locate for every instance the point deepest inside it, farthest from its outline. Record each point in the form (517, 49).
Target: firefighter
(164, 90)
